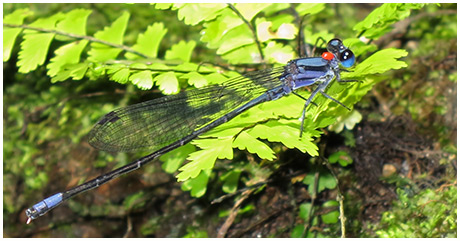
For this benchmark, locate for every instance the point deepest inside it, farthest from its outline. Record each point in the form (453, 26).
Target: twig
(259, 222)
(233, 213)
(339, 198)
(254, 33)
(313, 198)
(71, 35)
(254, 186)
(129, 229)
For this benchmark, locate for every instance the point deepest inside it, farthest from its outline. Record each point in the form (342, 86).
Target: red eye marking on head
(327, 56)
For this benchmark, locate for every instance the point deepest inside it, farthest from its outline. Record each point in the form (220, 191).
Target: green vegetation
(430, 213)
(66, 65)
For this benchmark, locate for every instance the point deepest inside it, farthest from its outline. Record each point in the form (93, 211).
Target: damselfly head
(343, 54)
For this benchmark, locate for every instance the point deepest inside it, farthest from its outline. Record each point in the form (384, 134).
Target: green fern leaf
(265, 33)
(278, 53)
(174, 159)
(121, 76)
(74, 71)
(204, 159)
(46, 23)
(235, 38)
(163, 6)
(10, 34)
(17, 17)
(34, 48)
(168, 83)
(249, 10)
(310, 8)
(379, 62)
(193, 13)
(79, 70)
(74, 22)
(113, 34)
(149, 41)
(243, 55)
(286, 132)
(379, 21)
(67, 54)
(195, 79)
(142, 79)
(215, 30)
(183, 51)
(246, 141)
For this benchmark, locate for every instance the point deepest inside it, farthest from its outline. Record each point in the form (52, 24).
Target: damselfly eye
(347, 58)
(334, 43)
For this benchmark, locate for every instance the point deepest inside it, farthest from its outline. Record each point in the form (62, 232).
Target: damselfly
(169, 122)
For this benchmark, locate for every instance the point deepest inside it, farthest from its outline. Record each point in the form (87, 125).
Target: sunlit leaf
(379, 21)
(113, 34)
(379, 62)
(163, 6)
(34, 49)
(121, 76)
(348, 121)
(46, 23)
(235, 38)
(249, 10)
(17, 17)
(359, 47)
(74, 71)
(173, 159)
(74, 21)
(167, 82)
(10, 34)
(279, 53)
(196, 79)
(149, 41)
(246, 141)
(215, 78)
(188, 67)
(205, 158)
(214, 31)
(183, 50)
(285, 31)
(66, 54)
(282, 131)
(79, 70)
(310, 8)
(243, 55)
(193, 13)
(142, 79)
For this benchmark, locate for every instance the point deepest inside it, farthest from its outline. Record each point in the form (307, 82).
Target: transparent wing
(154, 124)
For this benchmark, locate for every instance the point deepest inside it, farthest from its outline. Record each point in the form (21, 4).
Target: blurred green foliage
(428, 214)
